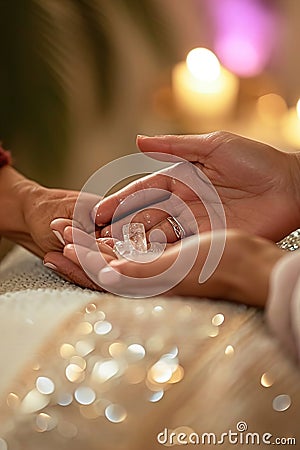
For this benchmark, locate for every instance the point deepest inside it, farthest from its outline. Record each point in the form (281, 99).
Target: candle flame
(298, 108)
(203, 64)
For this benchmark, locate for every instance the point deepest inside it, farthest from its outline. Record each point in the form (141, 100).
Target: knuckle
(220, 137)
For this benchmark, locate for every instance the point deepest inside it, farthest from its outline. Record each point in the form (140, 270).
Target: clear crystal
(134, 234)
(121, 248)
(134, 246)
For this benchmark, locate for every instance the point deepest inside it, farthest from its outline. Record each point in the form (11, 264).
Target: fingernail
(95, 208)
(106, 241)
(95, 215)
(156, 136)
(109, 276)
(50, 265)
(59, 236)
(69, 247)
(106, 234)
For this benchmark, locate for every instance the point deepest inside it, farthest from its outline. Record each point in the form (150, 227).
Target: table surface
(184, 364)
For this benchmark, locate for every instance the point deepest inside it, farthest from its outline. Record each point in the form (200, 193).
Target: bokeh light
(203, 64)
(298, 108)
(245, 34)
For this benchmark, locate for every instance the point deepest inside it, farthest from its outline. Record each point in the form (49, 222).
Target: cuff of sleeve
(5, 157)
(284, 287)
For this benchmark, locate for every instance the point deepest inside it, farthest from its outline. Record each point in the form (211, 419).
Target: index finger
(191, 147)
(144, 192)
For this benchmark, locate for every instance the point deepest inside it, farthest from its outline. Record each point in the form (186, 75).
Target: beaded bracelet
(5, 157)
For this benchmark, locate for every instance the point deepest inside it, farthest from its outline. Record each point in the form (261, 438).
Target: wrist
(253, 260)
(15, 192)
(294, 165)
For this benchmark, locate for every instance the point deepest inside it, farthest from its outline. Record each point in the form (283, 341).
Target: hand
(30, 208)
(43, 206)
(242, 274)
(257, 185)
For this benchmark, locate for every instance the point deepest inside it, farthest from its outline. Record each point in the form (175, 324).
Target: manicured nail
(50, 265)
(59, 237)
(109, 276)
(107, 241)
(95, 215)
(70, 248)
(95, 208)
(155, 136)
(106, 234)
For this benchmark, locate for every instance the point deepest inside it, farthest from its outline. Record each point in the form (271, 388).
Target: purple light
(244, 34)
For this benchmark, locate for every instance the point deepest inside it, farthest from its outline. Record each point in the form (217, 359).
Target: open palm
(256, 184)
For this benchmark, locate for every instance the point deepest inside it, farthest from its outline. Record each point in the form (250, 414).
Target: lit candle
(202, 88)
(291, 127)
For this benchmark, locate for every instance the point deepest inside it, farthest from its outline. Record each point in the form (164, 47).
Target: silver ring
(177, 227)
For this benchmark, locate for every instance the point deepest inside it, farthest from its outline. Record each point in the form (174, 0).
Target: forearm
(244, 270)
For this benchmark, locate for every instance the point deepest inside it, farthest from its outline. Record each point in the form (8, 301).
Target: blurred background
(80, 78)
